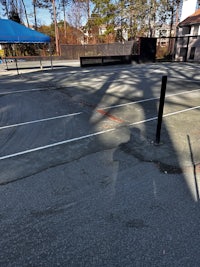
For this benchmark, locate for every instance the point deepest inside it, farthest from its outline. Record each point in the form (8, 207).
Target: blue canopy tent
(12, 32)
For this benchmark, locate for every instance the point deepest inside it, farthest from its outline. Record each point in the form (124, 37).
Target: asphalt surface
(82, 181)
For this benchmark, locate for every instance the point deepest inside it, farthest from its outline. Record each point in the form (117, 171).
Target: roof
(13, 32)
(191, 20)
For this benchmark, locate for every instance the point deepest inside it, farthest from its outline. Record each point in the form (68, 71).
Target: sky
(43, 15)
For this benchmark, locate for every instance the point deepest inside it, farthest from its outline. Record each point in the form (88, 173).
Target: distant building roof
(191, 20)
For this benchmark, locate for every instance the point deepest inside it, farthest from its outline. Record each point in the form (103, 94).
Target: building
(188, 38)
(162, 33)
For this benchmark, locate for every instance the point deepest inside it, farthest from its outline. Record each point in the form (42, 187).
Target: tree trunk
(35, 15)
(25, 13)
(56, 28)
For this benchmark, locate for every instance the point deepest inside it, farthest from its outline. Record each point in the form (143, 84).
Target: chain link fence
(77, 51)
(183, 48)
(187, 48)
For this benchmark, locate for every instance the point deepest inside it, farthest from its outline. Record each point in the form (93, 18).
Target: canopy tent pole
(51, 58)
(6, 63)
(22, 34)
(41, 67)
(40, 58)
(16, 66)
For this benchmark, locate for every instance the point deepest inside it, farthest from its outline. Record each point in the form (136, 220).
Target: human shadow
(112, 106)
(102, 193)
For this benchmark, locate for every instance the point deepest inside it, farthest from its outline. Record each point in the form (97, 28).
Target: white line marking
(143, 121)
(148, 99)
(165, 115)
(90, 135)
(110, 107)
(26, 91)
(180, 111)
(53, 87)
(37, 121)
(56, 144)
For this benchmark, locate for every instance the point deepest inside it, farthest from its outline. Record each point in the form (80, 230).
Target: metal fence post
(161, 106)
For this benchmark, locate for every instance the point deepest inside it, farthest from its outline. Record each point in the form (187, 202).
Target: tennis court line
(103, 108)
(91, 135)
(29, 90)
(166, 115)
(41, 120)
(56, 144)
(148, 99)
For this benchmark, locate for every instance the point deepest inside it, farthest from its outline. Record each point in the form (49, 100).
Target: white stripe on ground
(148, 99)
(55, 144)
(109, 107)
(27, 91)
(53, 87)
(37, 121)
(90, 135)
(165, 115)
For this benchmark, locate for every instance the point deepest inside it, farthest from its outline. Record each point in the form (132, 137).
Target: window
(192, 52)
(183, 52)
(186, 30)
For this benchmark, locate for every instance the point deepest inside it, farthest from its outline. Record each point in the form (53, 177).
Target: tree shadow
(109, 192)
(110, 107)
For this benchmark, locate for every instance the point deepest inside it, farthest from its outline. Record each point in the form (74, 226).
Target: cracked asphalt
(82, 182)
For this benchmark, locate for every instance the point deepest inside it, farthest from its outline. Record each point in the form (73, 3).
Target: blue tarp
(13, 32)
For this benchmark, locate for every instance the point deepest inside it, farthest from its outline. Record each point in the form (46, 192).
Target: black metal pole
(161, 106)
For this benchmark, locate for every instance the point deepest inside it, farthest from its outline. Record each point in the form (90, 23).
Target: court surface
(48, 110)
(82, 182)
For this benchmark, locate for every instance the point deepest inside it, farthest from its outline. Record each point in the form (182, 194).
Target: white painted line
(27, 91)
(130, 103)
(181, 111)
(37, 121)
(166, 115)
(143, 121)
(55, 144)
(90, 135)
(148, 99)
(96, 82)
(110, 107)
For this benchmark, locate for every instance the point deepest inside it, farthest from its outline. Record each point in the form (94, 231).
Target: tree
(137, 17)
(14, 10)
(171, 14)
(104, 14)
(5, 6)
(34, 3)
(63, 4)
(25, 12)
(123, 15)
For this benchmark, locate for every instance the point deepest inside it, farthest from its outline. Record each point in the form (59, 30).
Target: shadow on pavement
(109, 199)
